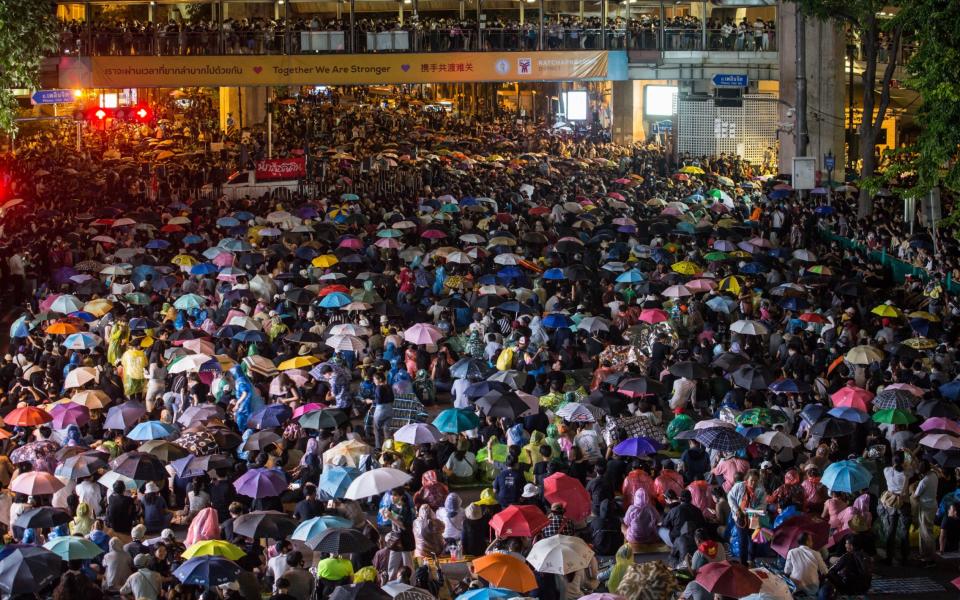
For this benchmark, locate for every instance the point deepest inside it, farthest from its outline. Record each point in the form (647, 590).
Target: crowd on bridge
(471, 358)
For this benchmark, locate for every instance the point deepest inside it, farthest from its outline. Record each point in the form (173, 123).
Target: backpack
(505, 360)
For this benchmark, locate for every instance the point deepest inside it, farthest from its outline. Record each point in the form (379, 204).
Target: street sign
(52, 97)
(665, 126)
(730, 80)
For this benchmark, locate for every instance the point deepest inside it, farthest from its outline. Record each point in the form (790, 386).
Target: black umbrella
(300, 296)
(44, 517)
(690, 370)
(186, 334)
(640, 386)
(226, 438)
(469, 368)
(82, 465)
(303, 337)
(722, 439)
(456, 302)
(848, 288)
(832, 428)
(329, 418)
(338, 540)
(164, 450)
(612, 403)
(265, 524)
(579, 273)
(261, 440)
(482, 388)
(513, 306)
(359, 591)
(140, 466)
(28, 569)
(729, 361)
(488, 301)
(502, 405)
(948, 459)
(901, 399)
(938, 408)
(751, 377)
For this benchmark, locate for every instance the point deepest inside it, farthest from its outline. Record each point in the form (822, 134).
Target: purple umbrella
(41, 454)
(636, 446)
(123, 416)
(261, 483)
(63, 275)
(69, 413)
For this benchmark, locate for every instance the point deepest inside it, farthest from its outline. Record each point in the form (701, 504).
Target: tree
(934, 72)
(861, 16)
(28, 33)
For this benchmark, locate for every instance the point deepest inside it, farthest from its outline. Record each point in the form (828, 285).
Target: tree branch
(888, 75)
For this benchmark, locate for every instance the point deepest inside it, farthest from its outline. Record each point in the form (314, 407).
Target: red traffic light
(100, 114)
(142, 113)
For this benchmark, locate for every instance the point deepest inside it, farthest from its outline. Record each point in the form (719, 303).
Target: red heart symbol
(257, 70)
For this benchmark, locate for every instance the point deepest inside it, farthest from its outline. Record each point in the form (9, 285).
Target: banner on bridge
(332, 69)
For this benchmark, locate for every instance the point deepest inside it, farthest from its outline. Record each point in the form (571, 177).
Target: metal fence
(704, 129)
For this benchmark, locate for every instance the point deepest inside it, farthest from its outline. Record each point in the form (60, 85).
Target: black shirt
(308, 509)
(951, 530)
(681, 514)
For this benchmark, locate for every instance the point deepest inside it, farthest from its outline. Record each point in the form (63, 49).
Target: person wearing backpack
(508, 486)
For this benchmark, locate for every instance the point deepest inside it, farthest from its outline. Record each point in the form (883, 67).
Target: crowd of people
(474, 358)
(258, 35)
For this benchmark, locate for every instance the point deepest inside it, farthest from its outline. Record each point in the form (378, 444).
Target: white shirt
(926, 492)
(804, 566)
(143, 584)
(896, 480)
(92, 493)
(277, 566)
(683, 392)
(458, 390)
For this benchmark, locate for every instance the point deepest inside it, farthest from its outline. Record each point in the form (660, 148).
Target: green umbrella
(893, 416)
(761, 417)
(499, 453)
(138, 298)
(71, 547)
(715, 256)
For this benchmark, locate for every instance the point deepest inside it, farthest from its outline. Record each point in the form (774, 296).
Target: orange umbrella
(27, 416)
(62, 328)
(505, 571)
(836, 363)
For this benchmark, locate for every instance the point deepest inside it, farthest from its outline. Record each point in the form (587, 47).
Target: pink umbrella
(422, 333)
(671, 211)
(852, 396)
(918, 392)
(69, 413)
(306, 408)
(433, 234)
(36, 483)
(200, 346)
(616, 195)
(701, 285)
(933, 424)
(653, 315)
(224, 259)
(351, 243)
(390, 243)
(761, 242)
(48, 301)
(297, 376)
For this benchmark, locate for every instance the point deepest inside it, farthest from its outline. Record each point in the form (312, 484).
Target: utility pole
(802, 135)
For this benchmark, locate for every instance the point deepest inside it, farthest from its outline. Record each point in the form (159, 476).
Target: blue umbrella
(334, 481)
(790, 386)
(335, 300)
(510, 272)
(227, 222)
(778, 194)
(749, 432)
(753, 268)
(951, 389)
(557, 320)
(722, 439)
(250, 336)
(488, 593)
(271, 415)
(204, 269)
(721, 304)
(81, 341)
(140, 323)
(794, 304)
(158, 244)
(207, 571)
(823, 210)
(468, 367)
(242, 215)
(636, 446)
(456, 420)
(812, 413)
(659, 255)
(307, 253)
(846, 476)
(228, 331)
(631, 276)
(191, 239)
(554, 274)
(84, 316)
(921, 326)
(317, 525)
(20, 328)
(151, 430)
(235, 245)
(849, 414)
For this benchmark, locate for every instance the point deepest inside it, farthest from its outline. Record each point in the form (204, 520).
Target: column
(627, 103)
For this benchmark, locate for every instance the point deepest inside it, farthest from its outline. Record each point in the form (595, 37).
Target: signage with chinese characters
(333, 69)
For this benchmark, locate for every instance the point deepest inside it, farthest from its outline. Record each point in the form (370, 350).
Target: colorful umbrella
(569, 492)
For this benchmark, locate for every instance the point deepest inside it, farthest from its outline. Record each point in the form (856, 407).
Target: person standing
(924, 498)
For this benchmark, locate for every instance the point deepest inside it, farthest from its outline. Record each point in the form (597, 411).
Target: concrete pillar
(627, 102)
(826, 89)
(248, 105)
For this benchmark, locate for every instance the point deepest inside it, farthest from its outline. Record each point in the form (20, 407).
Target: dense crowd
(471, 357)
(257, 35)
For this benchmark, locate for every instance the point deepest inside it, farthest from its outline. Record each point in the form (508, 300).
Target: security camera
(791, 112)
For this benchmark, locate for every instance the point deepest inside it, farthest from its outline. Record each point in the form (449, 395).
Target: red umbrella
(569, 492)
(27, 416)
(518, 521)
(853, 397)
(654, 315)
(728, 579)
(335, 287)
(785, 537)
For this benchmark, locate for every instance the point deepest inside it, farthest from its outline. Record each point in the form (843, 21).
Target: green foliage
(28, 32)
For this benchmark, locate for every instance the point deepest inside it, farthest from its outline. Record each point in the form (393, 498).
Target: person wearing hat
(136, 546)
(144, 583)
(557, 522)
(531, 497)
(155, 514)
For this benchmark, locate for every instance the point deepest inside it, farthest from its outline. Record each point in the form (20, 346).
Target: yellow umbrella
(298, 362)
(184, 260)
(691, 170)
(325, 261)
(920, 343)
(352, 452)
(98, 307)
(887, 310)
(740, 254)
(732, 284)
(214, 548)
(922, 314)
(863, 355)
(686, 267)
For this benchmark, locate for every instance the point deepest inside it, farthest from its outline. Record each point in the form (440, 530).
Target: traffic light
(142, 114)
(97, 114)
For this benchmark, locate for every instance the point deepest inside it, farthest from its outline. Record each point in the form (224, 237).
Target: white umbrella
(714, 423)
(189, 364)
(346, 343)
(418, 433)
(777, 440)
(677, 291)
(263, 287)
(401, 591)
(349, 329)
(376, 482)
(79, 377)
(459, 258)
(804, 255)
(507, 259)
(576, 413)
(66, 304)
(560, 555)
(864, 355)
(749, 327)
(593, 324)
